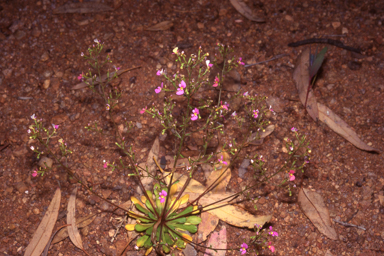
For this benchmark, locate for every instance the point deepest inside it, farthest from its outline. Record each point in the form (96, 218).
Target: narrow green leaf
(166, 249)
(150, 215)
(148, 243)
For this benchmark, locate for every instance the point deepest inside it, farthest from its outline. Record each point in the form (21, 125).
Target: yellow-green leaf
(130, 227)
(140, 242)
(195, 220)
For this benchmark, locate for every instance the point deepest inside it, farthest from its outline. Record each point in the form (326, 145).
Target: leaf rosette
(163, 220)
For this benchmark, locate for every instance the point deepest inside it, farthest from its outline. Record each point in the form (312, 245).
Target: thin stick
(349, 225)
(265, 61)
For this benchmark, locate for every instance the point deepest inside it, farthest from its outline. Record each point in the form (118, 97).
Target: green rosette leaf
(179, 220)
(149, 231)
(187, 210)
(149, 206)
(189, 228)
(195, 220)
(142, 209)
(142, 227)
(141, 241)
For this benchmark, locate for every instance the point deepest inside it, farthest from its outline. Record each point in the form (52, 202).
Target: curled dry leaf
(342, 128)
(267, 131)
(244, 10)
(314, 208)
(86, 7)
(44, 230)
(73, 231)
(104, 78)
(218, 240)
(81, 223)
(302, 80)
(164, 25)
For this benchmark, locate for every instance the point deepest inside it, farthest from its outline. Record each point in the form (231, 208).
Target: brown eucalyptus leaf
(207, 225)
(44, 230)
(218, 170)
(104, 78)
(342, 128)
(218, 240)
(151, 165)
(80, 222)
(267, 131)
(302, 80)
(164, 25)
(85, 7)
(73, 231)
(244, 10)
(314, 208)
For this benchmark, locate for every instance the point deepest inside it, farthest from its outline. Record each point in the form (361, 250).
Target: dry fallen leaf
(81, 223)
(231, 214)
(44, 230)
(151, 165)
(244, 10)
(103, 78)
(220, 169)
(314, 208)
(342, 128)
(73, 231)
(207, 225)
(267, 131)
(164, 25)
(302, 79)
(218, 240)
(86, 7)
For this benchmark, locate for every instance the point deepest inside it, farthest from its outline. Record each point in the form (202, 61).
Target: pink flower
(159, 72)
(255, 113)
(221, 160)
(234, 113)
(216, 83)
(34, 173)
(195, 114)
(158, 89)
(291, 176)
(33, 117)
(225, 106)
(105, 164)
(180, 90)
(55, 126)
(80, 77)
(143, 110)
(271, 247)
(245, 94)
(293, 129)
(108, 107)
(244, 248)
(208, 64)
(162, 196)
(271, 232)
(239, 61)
